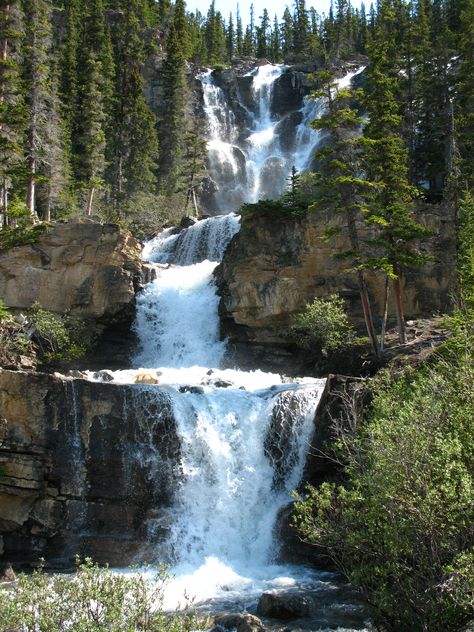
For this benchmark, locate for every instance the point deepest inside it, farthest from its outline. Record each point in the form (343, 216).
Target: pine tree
(239, 35)
(93, 140)
(340, 186)
(262, 35)
(37, 52)
(12, 109)
(230, 38)
(287, 34)
(465, 90)
(134, 141)
(172, 127)
(390, 202)
(275, 45)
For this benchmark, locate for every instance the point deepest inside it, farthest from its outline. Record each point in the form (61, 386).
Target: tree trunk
(90, 201)
(385, 313)
(364, 294)
(4, 53)
(368, 318)
(193, 194)
(399, 303)
(31, 193)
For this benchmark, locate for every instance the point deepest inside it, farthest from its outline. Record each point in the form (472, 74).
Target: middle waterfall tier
(258, 129)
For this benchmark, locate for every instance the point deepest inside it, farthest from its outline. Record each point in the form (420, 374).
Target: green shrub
(400, 525)
(92, 600)
(323, 326)
(4, 313)
(60, 336)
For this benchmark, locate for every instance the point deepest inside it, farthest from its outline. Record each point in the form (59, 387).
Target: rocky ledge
(278, 263)
(85, 468)
(80, 267)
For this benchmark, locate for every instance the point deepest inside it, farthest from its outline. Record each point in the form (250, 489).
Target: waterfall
(252, 160)
(243, 436)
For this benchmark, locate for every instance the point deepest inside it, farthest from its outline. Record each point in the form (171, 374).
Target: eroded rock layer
(85, 468)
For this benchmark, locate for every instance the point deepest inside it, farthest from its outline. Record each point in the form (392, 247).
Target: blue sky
(273, 6)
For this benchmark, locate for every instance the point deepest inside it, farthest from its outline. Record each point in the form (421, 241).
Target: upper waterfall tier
(252, 144)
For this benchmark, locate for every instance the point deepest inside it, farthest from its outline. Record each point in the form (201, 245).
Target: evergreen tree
(93, 140)
(38, 97)
(340, 186)
(287, 34)
(275, 45)
(230, 38)
(465, 89)
(172, 126)
(239, 36)
(262, 35)
(134, 141)
(12, 110)
(390, 201)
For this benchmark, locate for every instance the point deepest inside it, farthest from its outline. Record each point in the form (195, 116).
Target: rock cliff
(85, 468)
(81, 267)
(278, 263)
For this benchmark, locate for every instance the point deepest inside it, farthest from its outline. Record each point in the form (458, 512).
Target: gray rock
(283, 605)
(240, 622)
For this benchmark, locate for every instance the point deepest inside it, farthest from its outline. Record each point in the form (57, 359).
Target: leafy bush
(400, 525)
(60, 336)
(92, 600)
(323, 326)
(23, 233)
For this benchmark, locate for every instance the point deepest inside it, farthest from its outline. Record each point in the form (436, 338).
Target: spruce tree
(465, 90)
(389, 204)
(340, 186)
(38, 97)
(12, 108)
(172, 126)
(262, 35)
(287, 35)
(239, 35)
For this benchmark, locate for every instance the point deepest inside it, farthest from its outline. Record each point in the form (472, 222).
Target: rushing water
(255, 163)
(243, 435)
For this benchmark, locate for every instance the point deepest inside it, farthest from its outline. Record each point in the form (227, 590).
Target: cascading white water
(255, 162)
(233, 427)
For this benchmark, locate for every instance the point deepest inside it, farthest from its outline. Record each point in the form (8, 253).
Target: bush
(400, 525)
(60, 336)
(323, 326)
(92, 600)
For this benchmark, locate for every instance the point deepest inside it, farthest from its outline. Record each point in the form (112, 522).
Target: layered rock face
(79, 267)
(85, 468)
(277, 264)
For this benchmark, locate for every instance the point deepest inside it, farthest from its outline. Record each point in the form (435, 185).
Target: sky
(273, 6)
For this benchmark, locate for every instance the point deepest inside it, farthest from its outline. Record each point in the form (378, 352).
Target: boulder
(239, 622)
(283, 605)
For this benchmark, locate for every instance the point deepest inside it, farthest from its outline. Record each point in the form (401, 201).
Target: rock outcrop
(278, 263)
(85, 468)
(80, 267)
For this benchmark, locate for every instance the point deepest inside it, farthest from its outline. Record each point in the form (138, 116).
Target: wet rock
(103, 376)
(191, 389)
(187, 222)
(76, 452)
(238, 622)
(283, 605)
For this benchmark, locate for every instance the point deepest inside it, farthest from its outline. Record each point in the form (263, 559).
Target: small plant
(60, 336)
(323, 326)
(94, 599)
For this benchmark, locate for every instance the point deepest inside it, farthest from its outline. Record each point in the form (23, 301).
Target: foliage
(60, 336)
(323, 325)
(23, 233)
(94, 600)
(400, 525)
(4, 313)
